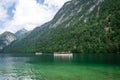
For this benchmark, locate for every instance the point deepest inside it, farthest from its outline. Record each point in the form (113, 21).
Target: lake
(50, 67)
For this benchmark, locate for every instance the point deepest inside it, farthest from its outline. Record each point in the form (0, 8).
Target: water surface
(48, 67)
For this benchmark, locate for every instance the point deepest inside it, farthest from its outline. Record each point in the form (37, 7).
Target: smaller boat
(38, 53)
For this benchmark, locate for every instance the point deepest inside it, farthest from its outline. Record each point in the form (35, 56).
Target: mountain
(6, 39)
(80, 26)
(20, 32)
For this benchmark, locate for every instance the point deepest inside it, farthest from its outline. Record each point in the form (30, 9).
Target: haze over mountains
(20, 32)
(80, 26)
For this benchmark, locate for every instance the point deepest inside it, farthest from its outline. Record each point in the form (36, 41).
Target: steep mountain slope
(6, 39)
(84, 26)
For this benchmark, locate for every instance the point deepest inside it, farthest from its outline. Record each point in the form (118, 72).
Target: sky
(28, 14)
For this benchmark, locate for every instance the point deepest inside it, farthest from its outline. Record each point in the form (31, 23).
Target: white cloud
(7, 3)
(29, 14)
(4, 5)
(57, 3)
(3, 14)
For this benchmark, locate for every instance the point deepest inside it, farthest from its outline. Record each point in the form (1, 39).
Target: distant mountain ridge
(20, 32)
(80, 26)
(7, 37)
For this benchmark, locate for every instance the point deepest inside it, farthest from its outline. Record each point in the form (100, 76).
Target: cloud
(3, 14)
(29, 14)
(4, 5)
(57, 3)
(7, 3)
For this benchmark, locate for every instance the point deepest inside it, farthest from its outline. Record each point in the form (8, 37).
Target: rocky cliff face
(77, 11)
(84, 26)
(6, 39)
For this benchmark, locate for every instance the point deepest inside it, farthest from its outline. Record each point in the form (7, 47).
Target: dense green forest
(80, 26)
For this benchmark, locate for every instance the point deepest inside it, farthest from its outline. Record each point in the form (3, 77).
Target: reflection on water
(98, 58)
(49, 67)
(63, 57)
(91, 58)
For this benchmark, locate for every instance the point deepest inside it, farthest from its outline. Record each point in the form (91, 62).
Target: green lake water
(48, 67)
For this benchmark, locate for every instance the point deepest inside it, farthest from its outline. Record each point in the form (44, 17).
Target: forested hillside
(80, 26)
